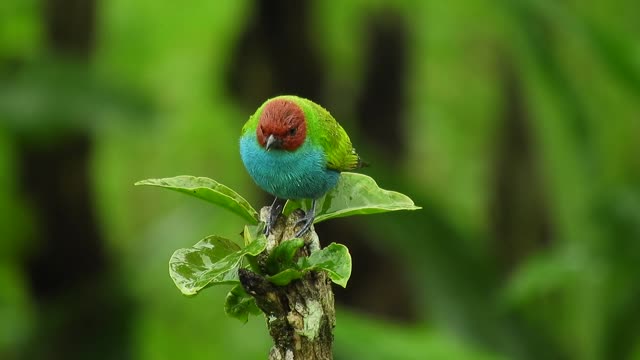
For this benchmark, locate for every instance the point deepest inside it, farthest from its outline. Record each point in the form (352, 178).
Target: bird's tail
(361, 163)
(354, 161)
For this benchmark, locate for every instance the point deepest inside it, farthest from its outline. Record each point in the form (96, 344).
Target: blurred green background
(514, 123)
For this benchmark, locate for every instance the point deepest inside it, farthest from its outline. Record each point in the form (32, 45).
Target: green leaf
(540, 276)
(355, 194)
(252, 232)
(213, 260)
(249, 234)
(334, 259)
(256, 247)
(281, 256)
(285, 276)
(238, 304)
(208, 190)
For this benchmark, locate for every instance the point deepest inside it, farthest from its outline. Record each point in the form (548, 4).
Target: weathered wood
(301, 315)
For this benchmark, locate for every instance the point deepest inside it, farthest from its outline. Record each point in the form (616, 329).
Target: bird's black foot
(274, 211)
(307, 220)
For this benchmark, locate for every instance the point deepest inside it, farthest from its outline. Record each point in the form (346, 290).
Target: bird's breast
(299, 174)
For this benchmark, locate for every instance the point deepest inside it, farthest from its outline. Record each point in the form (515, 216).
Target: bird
(294, 149)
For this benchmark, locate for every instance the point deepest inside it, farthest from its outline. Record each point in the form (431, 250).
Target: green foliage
(282, 256)
(355, 194)
(215, 260)
(361, 337)
(238, 304)
(207, 190)
(58, 96)
(539, 278)
(334, 259)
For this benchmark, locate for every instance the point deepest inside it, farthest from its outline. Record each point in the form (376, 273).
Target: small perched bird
(294, 149)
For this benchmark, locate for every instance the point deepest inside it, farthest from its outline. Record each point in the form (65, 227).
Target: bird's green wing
(252, 123)
(341, 155)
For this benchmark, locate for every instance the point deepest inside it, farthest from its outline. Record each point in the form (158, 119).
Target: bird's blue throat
(299, 174)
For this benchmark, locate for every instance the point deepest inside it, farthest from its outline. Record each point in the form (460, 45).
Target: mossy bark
(301, 315)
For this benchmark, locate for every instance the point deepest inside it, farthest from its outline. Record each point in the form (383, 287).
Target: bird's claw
(307, 220)
(268, 227)
(276, 209)
(274, 212)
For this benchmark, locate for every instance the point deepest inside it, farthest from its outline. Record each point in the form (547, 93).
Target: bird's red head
(281, 125)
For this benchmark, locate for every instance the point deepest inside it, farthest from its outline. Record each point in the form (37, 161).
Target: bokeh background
(514, 123)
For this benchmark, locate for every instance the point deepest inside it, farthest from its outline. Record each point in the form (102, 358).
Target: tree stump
(301, 315)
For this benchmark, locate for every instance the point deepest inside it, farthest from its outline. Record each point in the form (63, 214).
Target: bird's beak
(273, 142)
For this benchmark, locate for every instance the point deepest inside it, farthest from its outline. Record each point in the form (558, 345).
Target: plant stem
(301, 315)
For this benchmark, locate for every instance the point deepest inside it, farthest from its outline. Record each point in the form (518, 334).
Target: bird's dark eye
(292, 131)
